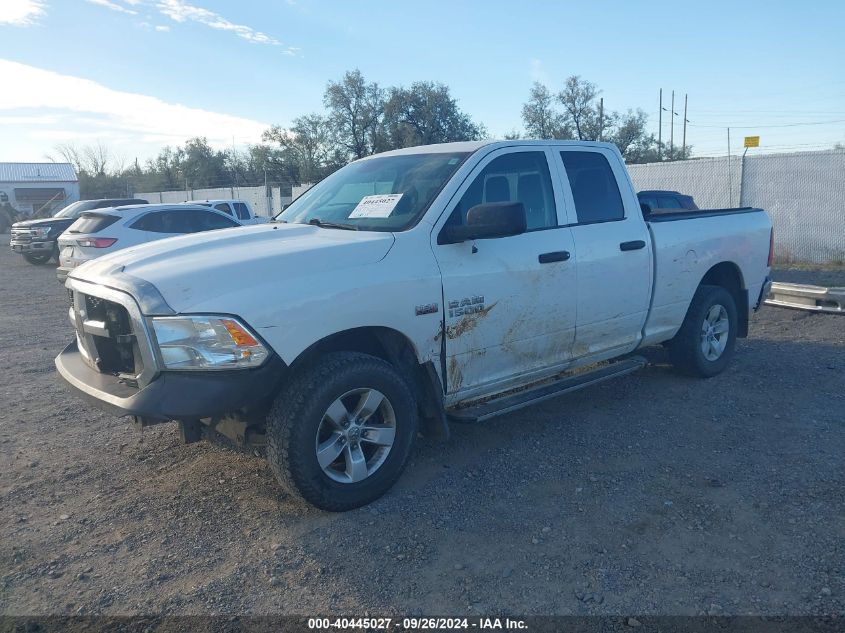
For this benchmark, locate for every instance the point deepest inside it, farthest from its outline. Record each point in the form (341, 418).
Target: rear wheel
(705, 343)
(38, 258)
(341, 432)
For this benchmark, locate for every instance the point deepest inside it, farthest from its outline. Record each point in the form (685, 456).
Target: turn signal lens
(96, 242)
(239, 334)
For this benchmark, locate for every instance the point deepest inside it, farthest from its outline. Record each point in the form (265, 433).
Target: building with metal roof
(37, 172)
(35, 189)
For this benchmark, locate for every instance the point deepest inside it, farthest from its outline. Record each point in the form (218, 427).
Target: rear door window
(242, 211)
(150, 222)
(224, 207)
(594, 188)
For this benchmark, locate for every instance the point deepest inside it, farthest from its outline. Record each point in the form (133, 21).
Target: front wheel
(38, 258)
(705, 343)
(341, 432)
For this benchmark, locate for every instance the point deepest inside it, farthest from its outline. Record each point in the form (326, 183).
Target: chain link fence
(804, 193)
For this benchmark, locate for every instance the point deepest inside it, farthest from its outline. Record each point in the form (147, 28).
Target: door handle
(634, 245)
(556, 256)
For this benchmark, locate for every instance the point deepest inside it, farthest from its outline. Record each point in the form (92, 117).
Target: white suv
(97, 233)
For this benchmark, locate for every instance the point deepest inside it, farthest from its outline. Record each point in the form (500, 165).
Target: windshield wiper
(332, 225)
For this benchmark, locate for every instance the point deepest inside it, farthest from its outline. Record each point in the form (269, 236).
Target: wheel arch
(397, 349)
(728, 275)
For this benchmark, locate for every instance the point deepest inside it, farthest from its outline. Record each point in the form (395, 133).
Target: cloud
(21, 12)
(113, 6)
(162, 28)
(180, 11)
(48, 105)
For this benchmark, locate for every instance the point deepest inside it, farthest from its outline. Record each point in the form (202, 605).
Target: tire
(38, 258)
(711, 305)
(305, 417)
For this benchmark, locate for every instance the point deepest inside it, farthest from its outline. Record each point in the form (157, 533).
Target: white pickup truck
(408, 289)
(241, 210)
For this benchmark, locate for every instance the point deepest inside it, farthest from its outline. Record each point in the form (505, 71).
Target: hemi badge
(428, 308)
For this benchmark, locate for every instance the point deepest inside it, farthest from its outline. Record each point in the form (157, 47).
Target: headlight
(41, 232)
(207, 342)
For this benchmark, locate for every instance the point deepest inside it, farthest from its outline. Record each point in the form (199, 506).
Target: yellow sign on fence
(752, 141)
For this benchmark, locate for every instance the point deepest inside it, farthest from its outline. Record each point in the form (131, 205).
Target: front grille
(105, 331)
(115, 353)
(21, 235)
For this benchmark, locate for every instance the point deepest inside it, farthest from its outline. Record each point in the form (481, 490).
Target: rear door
(242, 213)
(614, 252)
(510, 301)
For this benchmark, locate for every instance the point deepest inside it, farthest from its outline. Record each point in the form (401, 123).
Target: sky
(135, 75)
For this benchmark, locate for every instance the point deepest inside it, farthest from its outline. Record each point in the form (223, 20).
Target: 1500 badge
(468, 305)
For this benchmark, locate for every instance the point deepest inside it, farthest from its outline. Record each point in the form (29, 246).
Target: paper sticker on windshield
(376, 206)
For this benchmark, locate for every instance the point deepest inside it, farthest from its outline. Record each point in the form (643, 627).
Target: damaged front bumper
(172, 395)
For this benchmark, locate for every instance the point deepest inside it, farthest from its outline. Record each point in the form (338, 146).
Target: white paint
(297, 284)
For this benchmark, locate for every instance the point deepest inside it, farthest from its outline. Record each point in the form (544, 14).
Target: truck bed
(687, 244)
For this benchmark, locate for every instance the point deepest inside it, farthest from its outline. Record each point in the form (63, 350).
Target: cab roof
(474, 146)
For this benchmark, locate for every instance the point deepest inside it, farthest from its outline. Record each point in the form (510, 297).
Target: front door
(509, 302)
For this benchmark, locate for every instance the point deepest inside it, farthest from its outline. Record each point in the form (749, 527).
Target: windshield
(378, 194)
(73, 210)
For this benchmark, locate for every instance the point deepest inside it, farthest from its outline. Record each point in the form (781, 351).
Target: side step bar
(514, 401)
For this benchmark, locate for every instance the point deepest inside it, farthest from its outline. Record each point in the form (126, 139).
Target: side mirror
(486, 221)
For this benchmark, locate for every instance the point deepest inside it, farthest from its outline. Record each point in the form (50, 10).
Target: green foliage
(361, 118)
(576, 113)
(424, 114)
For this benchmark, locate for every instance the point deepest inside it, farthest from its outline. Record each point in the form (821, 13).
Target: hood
(26, 224)
(191, 269)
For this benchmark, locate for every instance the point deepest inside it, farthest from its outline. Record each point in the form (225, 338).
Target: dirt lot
(654, 494)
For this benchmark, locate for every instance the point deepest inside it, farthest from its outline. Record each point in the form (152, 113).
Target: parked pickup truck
(240, 210)
(411, 288)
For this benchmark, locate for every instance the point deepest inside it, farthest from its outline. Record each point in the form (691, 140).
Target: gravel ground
(653, 494)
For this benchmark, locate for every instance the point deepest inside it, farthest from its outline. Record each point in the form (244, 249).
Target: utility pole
(660, 126)
(267, 197)
(672, 127)
(601, 118)
(684, 150)
(730, 176)
(235, 163)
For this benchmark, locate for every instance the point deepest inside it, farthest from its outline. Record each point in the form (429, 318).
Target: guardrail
(805, 297)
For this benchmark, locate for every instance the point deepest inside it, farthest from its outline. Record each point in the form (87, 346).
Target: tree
(583, 118)
(578, 97)
(202, 166)
(540, 118)
(310, 145)
(355, 110)
(424, 114)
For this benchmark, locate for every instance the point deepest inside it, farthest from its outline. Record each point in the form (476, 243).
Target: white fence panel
(805, 195)
(803, 192)
(256, 196)
(713, 182)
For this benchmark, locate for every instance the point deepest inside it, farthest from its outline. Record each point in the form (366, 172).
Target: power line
(756, 126)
